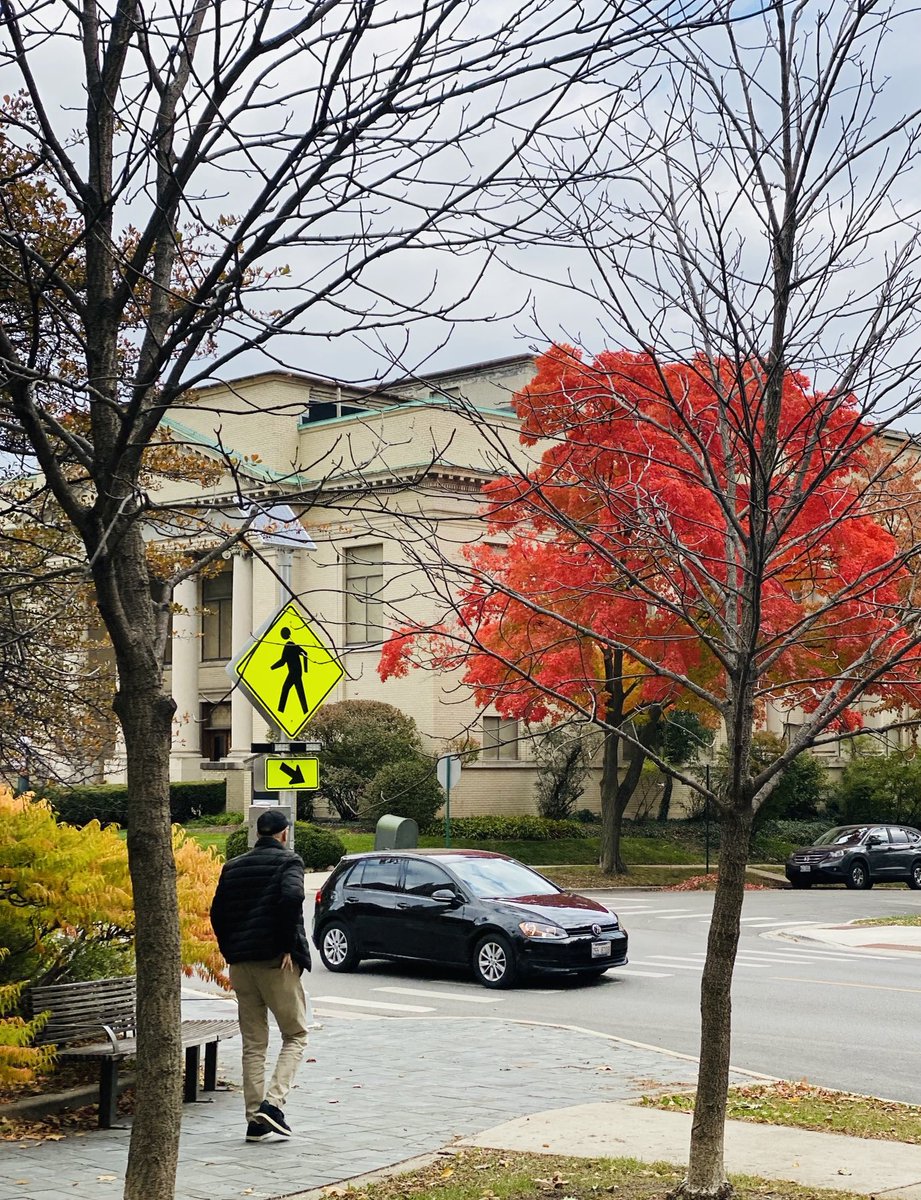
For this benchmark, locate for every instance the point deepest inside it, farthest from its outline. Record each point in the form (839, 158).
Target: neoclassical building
(356, 489)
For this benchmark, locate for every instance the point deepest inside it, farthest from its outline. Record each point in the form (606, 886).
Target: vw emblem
(596, 930)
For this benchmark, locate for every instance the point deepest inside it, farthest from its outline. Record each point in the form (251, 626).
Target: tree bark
(145, 713)
(610, 860)
(665, 800)
(706, 1176)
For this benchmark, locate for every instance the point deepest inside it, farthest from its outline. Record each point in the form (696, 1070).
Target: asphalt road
(841, 1018)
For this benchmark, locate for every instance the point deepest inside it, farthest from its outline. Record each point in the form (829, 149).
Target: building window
(500, 739)
(215, 730)
(364, 582)
(217, 606)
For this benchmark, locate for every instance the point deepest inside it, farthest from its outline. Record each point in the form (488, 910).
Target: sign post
(447, 771)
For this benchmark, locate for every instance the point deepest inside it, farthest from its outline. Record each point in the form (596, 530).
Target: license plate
(804, 869)
(601, 949)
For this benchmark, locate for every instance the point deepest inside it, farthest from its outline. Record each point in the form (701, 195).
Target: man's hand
(287, 962)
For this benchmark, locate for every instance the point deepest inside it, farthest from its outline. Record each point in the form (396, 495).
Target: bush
(318, 847)
(878, 788)
(108, 803)
(587, 816)
(405, 789)
(562, 756)
(521, 828)
(220, 819)
(357, 739)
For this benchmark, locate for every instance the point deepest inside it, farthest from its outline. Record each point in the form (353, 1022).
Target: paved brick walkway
(379, 1091)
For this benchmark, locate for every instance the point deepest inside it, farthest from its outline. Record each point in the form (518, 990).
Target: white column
(241, 711)
(184, 678)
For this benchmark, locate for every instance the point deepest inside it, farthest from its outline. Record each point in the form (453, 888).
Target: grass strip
(501, 1175)
(804, 1106)
(905, 919)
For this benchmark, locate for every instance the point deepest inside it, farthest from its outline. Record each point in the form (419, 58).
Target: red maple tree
(625, 577)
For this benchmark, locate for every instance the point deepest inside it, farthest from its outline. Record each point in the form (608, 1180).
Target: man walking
(258, 917)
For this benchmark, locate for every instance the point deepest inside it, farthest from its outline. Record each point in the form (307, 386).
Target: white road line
(673, 966)
(463, 999)
(651, 912)
(339, 1000)
(645, 974)
(671, 960)
(688, 917)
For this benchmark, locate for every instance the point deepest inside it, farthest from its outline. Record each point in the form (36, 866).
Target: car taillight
(318, 897)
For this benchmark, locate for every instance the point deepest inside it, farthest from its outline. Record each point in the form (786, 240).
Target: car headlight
(836, 854)
(535, 929)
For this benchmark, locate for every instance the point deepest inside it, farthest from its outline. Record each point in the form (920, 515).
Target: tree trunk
(665, 800)
(706, 1173)
(610, 860)
(146, 714)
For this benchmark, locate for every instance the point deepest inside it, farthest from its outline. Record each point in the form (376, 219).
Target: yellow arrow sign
(285, 670)
(296, 774)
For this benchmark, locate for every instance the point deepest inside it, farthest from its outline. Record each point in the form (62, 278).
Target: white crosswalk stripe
(458, 997)
(644, 974)
(348, 1002)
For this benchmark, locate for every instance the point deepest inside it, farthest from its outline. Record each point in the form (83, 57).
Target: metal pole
(707, 817)
(448, 809)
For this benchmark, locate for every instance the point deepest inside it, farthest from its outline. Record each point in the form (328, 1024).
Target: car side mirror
(874, 840)
(445, 896)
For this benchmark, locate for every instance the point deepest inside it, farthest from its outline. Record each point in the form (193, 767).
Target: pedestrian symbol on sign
(296, 660)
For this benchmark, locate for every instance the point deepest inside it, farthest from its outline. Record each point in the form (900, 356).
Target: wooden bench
(81, 1012)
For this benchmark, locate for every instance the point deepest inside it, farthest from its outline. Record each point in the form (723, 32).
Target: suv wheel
(494, 961)
(799, 883)
(337, 948)
(858, 876)
(914, 879)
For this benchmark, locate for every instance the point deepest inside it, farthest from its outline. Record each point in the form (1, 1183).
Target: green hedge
(524, 828)
(108, 803)
(318, 847)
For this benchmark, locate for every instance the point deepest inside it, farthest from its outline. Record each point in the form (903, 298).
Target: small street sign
(290, 772)
(285, 670)
(447, 770)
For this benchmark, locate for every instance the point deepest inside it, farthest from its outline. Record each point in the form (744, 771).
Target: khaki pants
(263, 988)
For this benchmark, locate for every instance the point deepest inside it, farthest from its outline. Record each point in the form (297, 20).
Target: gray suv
(859, 856)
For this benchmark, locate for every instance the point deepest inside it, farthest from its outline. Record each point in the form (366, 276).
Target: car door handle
(402, 904)
(351, 899)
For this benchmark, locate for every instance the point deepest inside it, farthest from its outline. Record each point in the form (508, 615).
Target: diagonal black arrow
(295, 774)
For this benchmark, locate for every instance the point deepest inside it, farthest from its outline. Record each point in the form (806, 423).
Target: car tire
(338, 949)
(800, 884)
(494, 962)
(858, 877)
(914, 877)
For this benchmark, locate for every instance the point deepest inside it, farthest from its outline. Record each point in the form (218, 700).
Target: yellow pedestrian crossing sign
(285, 670)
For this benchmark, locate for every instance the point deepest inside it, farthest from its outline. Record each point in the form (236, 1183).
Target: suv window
(423, 878)
(898, 836)
(380, 873)
(914, 837)
(881, 832)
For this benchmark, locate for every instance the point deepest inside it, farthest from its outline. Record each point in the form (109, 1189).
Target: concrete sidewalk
(377, 1091)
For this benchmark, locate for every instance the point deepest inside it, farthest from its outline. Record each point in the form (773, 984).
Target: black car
(859, 856)
(469, 908)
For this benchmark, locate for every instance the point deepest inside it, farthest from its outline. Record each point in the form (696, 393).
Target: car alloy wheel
(858, 877)
(337, 948)
(914, 879)
(494, 961)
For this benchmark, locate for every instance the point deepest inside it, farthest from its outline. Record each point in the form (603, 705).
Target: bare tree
(749, 239)
(198, 180)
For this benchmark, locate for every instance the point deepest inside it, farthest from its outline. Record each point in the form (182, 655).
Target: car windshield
(843, 836)
(491, 877)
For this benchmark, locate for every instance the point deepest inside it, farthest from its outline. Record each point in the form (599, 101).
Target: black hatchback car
(859, 856)
(468, 908)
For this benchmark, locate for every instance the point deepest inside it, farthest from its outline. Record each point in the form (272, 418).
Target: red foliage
(631, 531)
